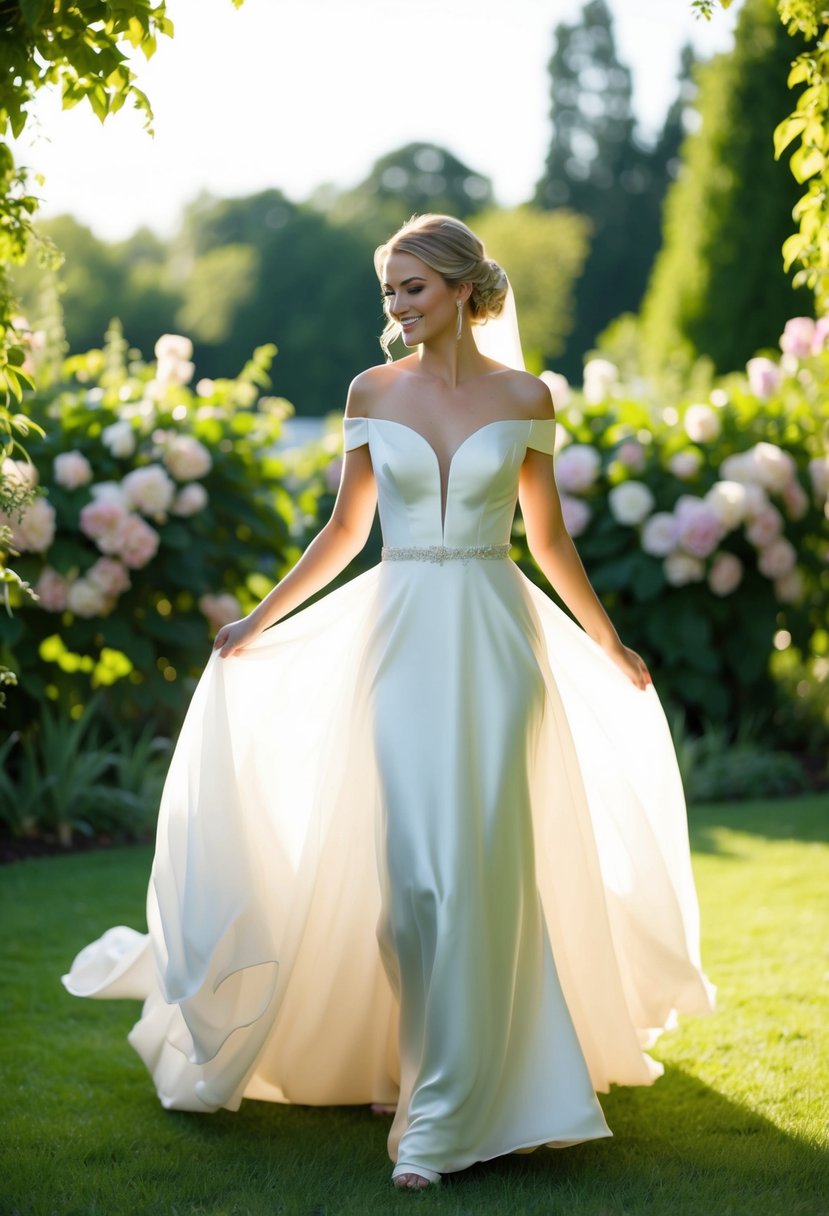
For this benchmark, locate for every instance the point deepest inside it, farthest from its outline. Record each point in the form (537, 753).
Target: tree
(410, 181)
(718, 286)
(598, 167)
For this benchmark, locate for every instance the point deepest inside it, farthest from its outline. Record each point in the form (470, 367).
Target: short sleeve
(355, 432)
(542, 435)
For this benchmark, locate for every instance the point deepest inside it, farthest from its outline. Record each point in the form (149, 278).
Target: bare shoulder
(528, 394)
(370, 387)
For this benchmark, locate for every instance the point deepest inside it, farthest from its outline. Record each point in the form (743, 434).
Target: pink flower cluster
(93, 594)
(118, 531)
(803, 337)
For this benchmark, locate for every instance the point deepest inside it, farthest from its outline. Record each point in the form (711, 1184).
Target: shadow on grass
(805, 819)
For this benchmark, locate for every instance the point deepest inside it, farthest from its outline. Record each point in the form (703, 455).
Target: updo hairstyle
(454, 252)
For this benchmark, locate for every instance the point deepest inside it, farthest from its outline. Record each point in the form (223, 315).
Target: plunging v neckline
(444, 495)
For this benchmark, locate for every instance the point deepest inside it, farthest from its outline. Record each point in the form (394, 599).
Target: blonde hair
(451, 249)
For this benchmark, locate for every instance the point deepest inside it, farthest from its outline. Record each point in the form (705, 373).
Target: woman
(423, 844)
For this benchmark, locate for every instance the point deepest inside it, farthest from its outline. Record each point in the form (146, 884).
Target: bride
(423, 844)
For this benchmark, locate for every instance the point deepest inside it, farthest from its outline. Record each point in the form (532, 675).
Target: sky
(295, 94)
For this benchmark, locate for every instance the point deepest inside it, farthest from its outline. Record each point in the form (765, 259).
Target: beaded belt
(440, 554)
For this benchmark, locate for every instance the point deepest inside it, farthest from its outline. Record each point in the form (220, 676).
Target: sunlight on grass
(738, 1125)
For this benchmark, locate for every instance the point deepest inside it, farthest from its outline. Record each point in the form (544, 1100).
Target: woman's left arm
(555, 554)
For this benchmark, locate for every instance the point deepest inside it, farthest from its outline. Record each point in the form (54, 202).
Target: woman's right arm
(338, 542)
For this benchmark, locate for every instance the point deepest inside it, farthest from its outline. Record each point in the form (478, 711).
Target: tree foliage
(597, 166)
(718, 287)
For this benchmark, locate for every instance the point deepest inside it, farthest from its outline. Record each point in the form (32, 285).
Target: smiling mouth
(409, 322)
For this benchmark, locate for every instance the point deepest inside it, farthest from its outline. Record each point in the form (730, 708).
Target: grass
(736, 1127)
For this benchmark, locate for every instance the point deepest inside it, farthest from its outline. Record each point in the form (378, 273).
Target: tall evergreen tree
(597, 167)
(718, 286)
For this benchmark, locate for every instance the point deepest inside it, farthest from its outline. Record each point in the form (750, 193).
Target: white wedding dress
(421, 843)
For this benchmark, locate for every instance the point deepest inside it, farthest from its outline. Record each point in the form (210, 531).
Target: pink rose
(577, 468)
(71, 470)
(777, 559)
(726, 574)
(109, 576)
(682, 568)
(764, 378)
(765, 527)
(699, 528)
(685, 465)
(797, 337)
(821, 337)
(576, 514)
(136, 543)
(795, 500)
(50, 590)
(775, 468)
(632, 455)
(21, 474)
(220, 609)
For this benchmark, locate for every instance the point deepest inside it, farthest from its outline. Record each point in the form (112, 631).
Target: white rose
(85, 598)
(35, 531)
(659, 535)
(119, 439)
(728, 500)
(600, 378)
(681, 568)
(187, 459)
(71, 470)
(173, 346)
(577, 468)
(775, 468)
(702, 423)
(148, 490)
(21, 474)
(559, 388)
(765, 527)
(764, 377)
(190, 499)
(726, 574)
(685, 465)
(630, 502)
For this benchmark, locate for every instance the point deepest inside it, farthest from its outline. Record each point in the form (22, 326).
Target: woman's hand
(236, 636)
(632, 664)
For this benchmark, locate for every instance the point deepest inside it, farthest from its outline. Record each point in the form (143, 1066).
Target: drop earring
(459, 331)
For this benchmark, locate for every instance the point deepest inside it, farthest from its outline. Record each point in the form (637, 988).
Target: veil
(498, 338)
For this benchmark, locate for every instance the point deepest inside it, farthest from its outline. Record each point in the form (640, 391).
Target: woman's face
(417, 297)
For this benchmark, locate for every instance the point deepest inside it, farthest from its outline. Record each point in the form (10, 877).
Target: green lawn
(738, 1125)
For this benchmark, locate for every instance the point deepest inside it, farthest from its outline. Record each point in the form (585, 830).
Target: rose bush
(163, 511)
(703, 523)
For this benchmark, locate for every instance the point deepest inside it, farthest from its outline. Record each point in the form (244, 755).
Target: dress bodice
(481, 487)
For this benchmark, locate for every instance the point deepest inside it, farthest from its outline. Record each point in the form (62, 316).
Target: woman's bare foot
(411, 1182)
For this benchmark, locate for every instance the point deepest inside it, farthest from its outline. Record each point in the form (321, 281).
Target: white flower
(21, 474)
(776, 559)
(86, 599)
(702, 423)
(630, 502)
(763, 377)
(35, 530)
(660, 534)
(72, 469)
(756, 500)
(559, 388)
(726, 574)
(119, 439)
(681, 568)
(576, 514)
(220, 609)
(173, 346)
(775, 468)
(148, 490)
(577, 468)
(728, 500)
(789, 587)
(187, 459)
(740, 467)
(190, 499)
(765, 527)
(600, 378)
(685, 464)
(205, 387)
